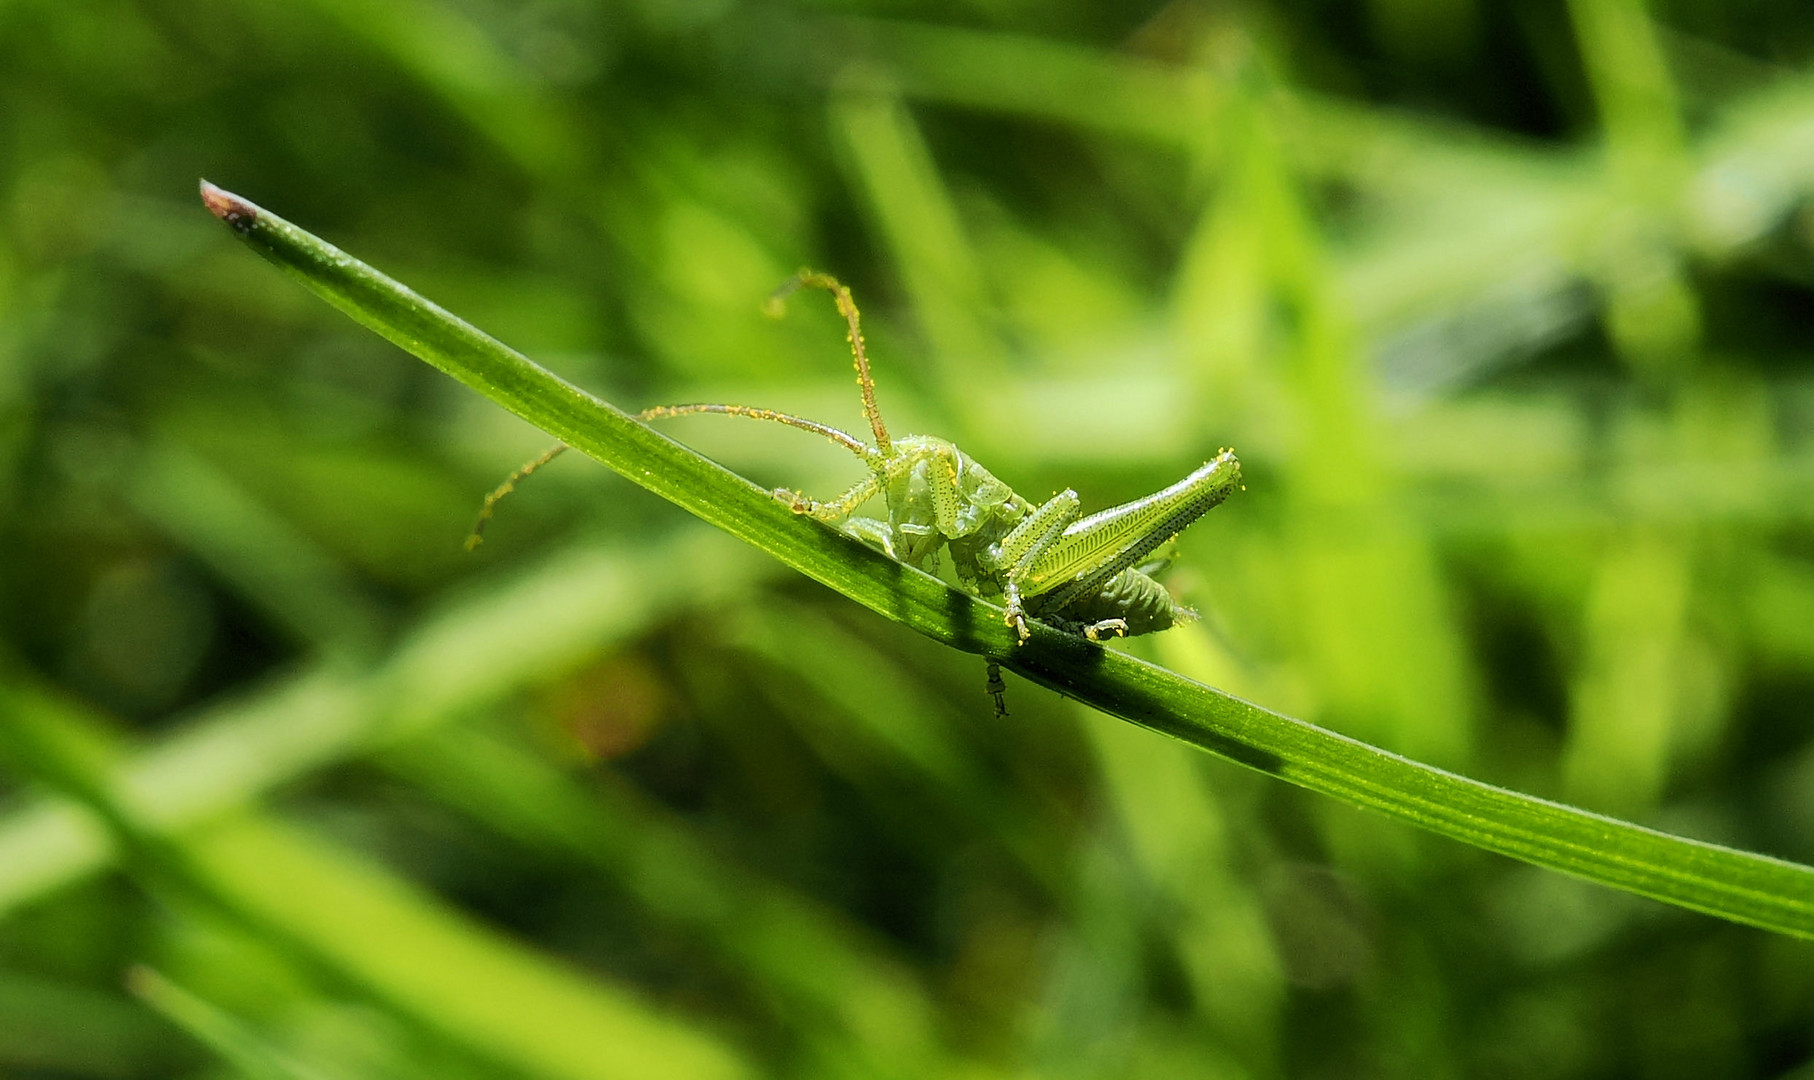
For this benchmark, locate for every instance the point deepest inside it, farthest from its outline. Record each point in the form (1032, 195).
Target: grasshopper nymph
(1088, 575)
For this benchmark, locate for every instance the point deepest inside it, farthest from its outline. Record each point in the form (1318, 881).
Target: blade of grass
(871, 723)
(227, 760)
(520, 630)
(1736, 885)
(232, 1040)
(820, 964)
(70, 1030)
(837, 981)
(426, 960)
(908, 198)
(302, 587)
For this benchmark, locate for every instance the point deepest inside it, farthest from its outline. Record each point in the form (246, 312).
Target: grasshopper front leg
(1023, 547)
(835, 510)
(995, 688)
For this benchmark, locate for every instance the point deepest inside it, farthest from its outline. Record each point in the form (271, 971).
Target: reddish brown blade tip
(229, 207)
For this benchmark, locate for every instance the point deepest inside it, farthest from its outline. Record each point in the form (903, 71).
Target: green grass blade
(231, 1039)
(462, 658)
(55, 1028)
(428, 961)
(862, 1004)
(1720, 881)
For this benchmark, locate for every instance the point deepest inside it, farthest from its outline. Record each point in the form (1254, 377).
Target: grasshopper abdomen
(1139, 602)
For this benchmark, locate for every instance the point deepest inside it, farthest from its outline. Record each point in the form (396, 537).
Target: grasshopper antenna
(842, 438)
(847, 307)
(491, 501)
(662, 412)
(776, 304)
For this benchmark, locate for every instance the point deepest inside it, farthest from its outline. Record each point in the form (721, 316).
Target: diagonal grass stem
(1737, 885)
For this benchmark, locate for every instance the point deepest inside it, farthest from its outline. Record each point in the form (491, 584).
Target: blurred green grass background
(1506, 307)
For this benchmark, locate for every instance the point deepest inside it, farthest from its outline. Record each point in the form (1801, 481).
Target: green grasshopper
(1089, 575)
